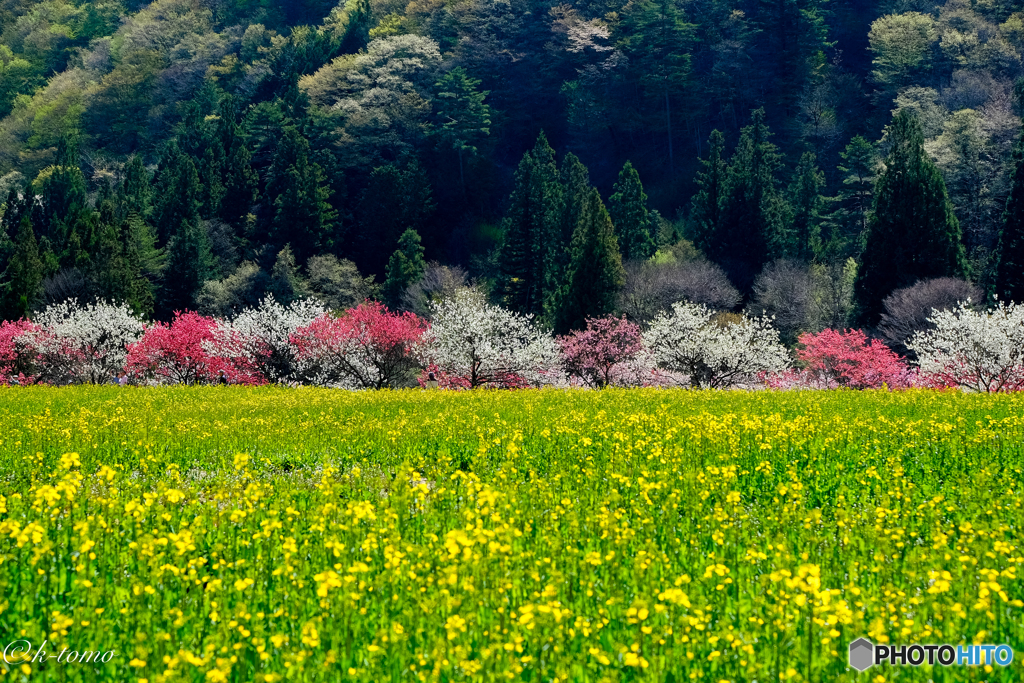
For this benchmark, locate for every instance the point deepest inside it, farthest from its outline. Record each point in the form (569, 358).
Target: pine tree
(706, 205)
(846, 221)
(632, 221)
(575, 181)
(135, 191)
(405, 267)
(190, 261)
(398, 198)
(755, 216)
(62, 188)
(241, 186)
(530, 228)
(461, 115)
(913, 233)
(178, 194)
(285, 284)
(805, 198)
(595, 273)
(20, 288)
(303, 217)
(1010, 272)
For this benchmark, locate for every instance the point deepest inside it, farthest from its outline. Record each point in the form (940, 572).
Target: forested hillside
(802, 157)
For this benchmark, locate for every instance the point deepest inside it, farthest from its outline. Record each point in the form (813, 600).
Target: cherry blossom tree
(605, 353)
(368, 347)
(19, 353)
(702, 351)
(193, 349)
(488, 345)
(979, 351)
(849, 359)
(263, 335)
(85, 344)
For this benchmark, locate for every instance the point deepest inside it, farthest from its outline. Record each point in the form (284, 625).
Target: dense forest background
(805, 156)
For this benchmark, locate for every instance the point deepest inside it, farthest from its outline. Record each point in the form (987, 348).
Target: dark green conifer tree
(191, 263)
(1010, 273)
(405, 267)
(20, 286)
(629, 214)
(178, 194)
(303, 217)
(805, 198)
(706, 205)
(755, 215)
(913, 233)
(595, 273)
(530, 229)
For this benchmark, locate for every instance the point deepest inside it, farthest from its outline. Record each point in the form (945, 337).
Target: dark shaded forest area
(800, 157)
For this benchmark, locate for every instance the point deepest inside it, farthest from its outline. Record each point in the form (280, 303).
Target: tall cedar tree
(397, 198)
(632, 221)
(65, 210)
(657, 39)
(805, 198)
(240, 182)
(177, 193)
(706, 205)
(575, 181)
(461, 117)
(24, 274)
(595, 273)
(530, 225)
(913, 233)
(755, 215)
(190, 262)
(303, 217)
(846, 224)
(1010, 274)
(135, 191)
(405, 267)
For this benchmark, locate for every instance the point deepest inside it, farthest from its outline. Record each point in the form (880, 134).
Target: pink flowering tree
(834, 358)
(193, 349)
(19, 353)
(368, 347)
(603, 354)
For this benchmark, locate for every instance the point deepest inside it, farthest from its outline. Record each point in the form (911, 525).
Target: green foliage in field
(647, 535)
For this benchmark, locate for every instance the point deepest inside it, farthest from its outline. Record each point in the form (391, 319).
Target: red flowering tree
(848, 359)
(19, 352)
(368, 347)
(604, 353)
(193, 349)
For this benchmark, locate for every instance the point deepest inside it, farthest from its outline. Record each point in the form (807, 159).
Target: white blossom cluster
(86, 344)
(261, 335)
(698, 351)
(488, 344)
(974, 350)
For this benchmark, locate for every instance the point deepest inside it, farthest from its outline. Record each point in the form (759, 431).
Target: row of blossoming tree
(470, 343)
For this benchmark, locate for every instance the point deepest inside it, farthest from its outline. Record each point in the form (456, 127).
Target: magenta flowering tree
(368, 347)
(19, 352)
(193, 349)
(834, 358)
(604, 354)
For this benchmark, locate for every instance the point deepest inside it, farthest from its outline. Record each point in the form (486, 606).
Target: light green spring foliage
(648, 535)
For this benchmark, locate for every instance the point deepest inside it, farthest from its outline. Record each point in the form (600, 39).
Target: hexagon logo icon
(862, 654)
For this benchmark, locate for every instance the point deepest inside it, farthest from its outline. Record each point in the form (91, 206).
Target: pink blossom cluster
(835, 358)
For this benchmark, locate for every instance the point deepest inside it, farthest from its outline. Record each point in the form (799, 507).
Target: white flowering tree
(698, 351)
(474, 344)
(262, 335)
(85, 344)
(973, 350)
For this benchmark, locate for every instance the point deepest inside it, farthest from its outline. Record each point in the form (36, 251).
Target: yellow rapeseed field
(232, 534)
